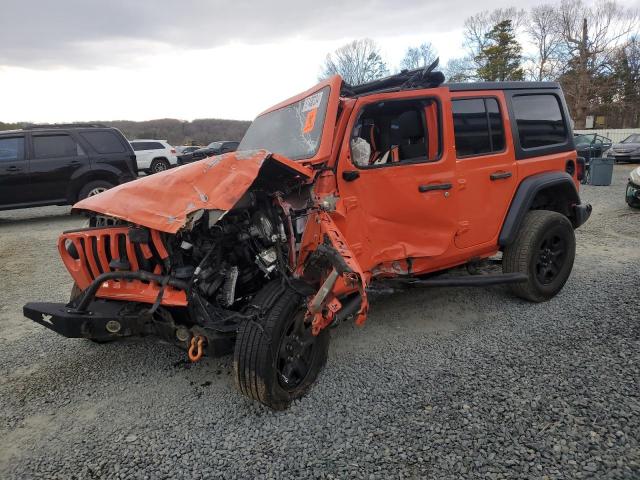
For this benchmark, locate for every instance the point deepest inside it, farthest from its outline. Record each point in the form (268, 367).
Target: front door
(396, 178)
(485, 166)
(14, 172)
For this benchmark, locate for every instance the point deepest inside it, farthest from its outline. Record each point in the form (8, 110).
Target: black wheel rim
(551, 258)
(296, 352)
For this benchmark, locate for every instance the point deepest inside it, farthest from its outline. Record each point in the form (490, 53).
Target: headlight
(634, 176)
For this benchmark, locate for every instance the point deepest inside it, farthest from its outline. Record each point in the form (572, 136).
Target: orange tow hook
(195, 348)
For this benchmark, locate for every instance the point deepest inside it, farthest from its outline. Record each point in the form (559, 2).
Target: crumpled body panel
(164, 200)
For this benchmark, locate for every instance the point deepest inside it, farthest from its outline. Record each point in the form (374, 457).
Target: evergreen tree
(501, 57)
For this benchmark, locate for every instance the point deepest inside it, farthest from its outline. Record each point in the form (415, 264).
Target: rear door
(485, 165)
(55, 156)
(14, 171)
(143, 154)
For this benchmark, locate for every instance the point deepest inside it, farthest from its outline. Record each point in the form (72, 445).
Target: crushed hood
(163, 201)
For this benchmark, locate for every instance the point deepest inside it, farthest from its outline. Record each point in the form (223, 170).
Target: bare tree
(418, 57)
(590, 37)
(357, 62)
(459, 70)
(542, 29)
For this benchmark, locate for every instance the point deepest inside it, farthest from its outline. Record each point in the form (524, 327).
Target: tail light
(581, 168)
(173, 150)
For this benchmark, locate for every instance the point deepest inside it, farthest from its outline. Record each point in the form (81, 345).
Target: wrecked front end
(182, 254)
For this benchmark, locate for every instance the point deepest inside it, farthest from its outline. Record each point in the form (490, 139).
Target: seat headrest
(409, 124)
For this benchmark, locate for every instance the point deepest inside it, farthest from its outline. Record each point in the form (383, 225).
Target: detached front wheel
(277, 359)
(544, 250)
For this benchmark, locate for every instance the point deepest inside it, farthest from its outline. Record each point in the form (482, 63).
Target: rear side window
(53, 146)
(11, 149)
(478, 126)
(539, 120)
(104, 142)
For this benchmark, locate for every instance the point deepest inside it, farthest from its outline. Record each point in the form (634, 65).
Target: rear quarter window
(539, 120)
(104, 142)
(55, 146)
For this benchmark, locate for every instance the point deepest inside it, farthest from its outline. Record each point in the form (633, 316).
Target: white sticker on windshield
(312, 102)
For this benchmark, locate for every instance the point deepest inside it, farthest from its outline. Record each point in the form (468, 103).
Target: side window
(137, 146)
(104, 142)
(156, 146)
(478, 126)
(11, 149)
(539, 120)
(395, 132)
(53, 146)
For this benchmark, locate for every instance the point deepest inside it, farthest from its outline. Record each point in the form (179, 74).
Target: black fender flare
(526, 194)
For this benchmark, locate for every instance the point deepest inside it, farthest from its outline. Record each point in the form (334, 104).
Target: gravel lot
(448, 383)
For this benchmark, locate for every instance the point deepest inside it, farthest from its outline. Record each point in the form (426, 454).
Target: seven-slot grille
(90, 252)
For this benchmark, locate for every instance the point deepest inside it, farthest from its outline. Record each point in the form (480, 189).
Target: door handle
(13, 168)
(434, 186)
(500, 175)
(350, 175)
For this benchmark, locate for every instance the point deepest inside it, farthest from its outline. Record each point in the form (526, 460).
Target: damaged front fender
(325, 249)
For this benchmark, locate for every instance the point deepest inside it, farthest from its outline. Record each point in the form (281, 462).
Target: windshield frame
(325, 145)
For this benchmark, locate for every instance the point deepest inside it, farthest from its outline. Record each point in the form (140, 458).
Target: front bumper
(625, 157)
(632, 195)
(102, 320)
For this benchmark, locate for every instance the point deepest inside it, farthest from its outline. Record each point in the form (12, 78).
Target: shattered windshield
(294, 131)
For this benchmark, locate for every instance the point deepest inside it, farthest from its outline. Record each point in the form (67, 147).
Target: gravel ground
(448, 383)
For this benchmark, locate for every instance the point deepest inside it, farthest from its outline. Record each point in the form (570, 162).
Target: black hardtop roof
(464, 87)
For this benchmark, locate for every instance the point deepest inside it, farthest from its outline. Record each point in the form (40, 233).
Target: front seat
(408, 135)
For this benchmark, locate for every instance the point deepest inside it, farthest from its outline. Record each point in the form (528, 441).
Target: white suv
(154, 156)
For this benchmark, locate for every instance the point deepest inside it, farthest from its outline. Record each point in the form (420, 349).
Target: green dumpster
(601, 171)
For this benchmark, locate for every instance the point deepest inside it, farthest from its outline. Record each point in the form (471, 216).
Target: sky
(82, 60)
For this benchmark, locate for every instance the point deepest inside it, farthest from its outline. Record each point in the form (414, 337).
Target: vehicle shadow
(33, 218)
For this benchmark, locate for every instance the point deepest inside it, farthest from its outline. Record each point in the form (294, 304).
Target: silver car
(628, 150)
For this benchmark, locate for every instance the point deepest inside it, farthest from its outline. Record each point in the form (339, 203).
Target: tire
(544, 250)
(94, 188)
(159, 165)
(265, 365)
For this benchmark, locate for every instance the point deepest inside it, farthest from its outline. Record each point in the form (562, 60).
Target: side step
(466, 281)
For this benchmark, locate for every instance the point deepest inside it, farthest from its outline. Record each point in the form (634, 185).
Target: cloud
(85, 33)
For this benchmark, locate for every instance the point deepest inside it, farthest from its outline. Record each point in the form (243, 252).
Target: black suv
(214, 148)
(61, 164)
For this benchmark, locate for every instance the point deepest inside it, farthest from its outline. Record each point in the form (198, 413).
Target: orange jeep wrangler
(261, 250)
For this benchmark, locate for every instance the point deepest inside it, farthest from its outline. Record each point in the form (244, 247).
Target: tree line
(176, 132)
(592, 49)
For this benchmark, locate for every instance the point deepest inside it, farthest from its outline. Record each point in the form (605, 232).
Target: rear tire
(544, 250)
(94, 188)
(159, 165)
(276, 358)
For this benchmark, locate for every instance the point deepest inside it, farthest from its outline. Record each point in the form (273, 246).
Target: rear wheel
(277, 358)
(544, 250)
(159, 165)
(94, 188)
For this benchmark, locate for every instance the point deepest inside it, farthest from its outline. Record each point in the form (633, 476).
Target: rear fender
(566, 193)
